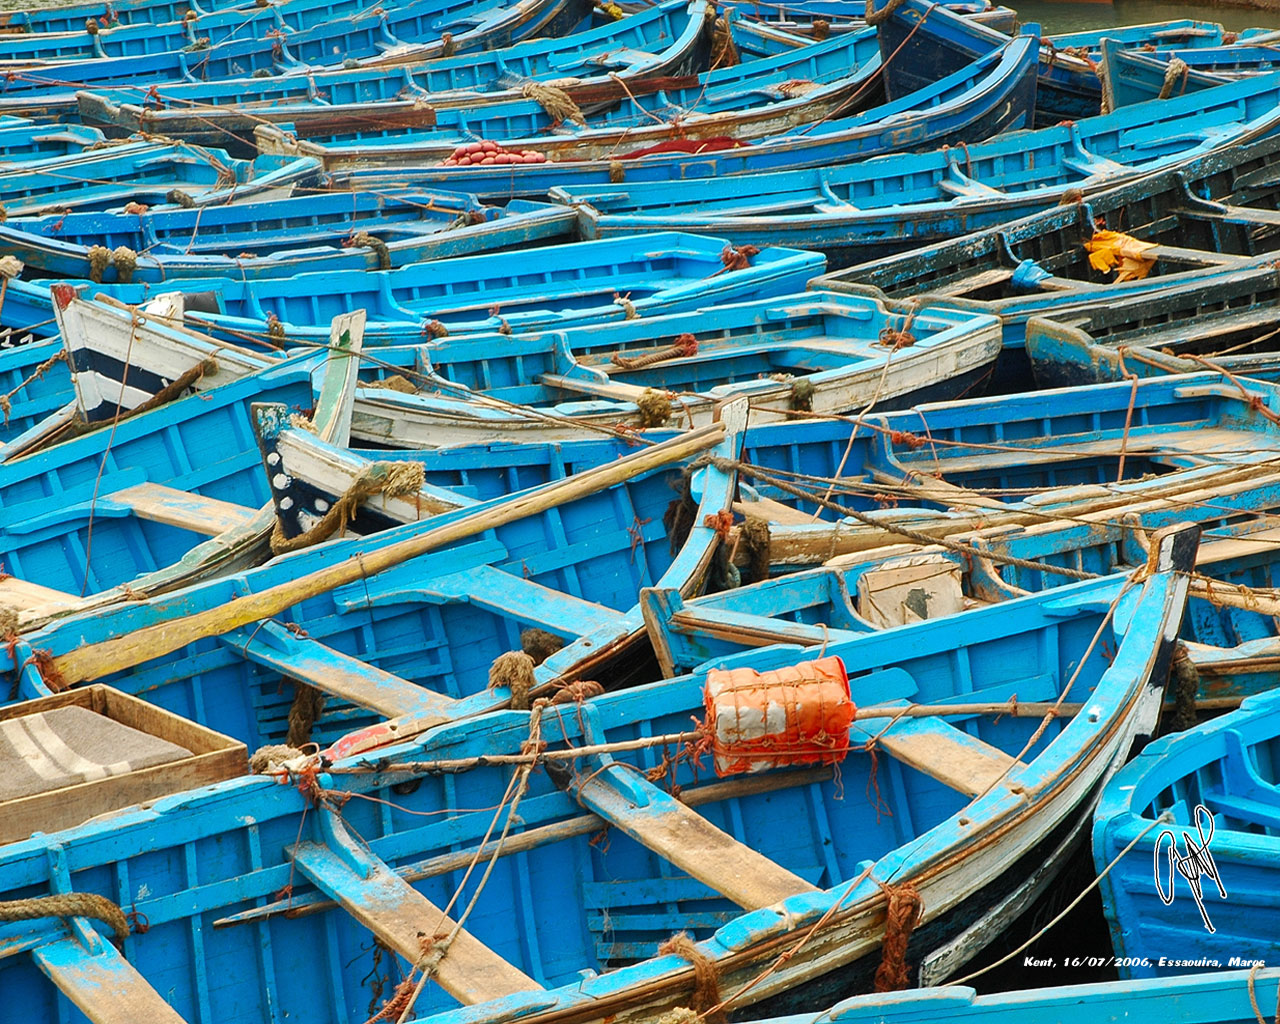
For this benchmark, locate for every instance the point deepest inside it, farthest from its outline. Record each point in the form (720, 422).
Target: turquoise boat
(1201, 807)
(298, 896)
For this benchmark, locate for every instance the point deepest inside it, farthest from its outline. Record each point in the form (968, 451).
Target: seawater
(1075, 15)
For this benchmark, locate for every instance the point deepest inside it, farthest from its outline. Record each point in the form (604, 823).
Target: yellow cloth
(1113, 250)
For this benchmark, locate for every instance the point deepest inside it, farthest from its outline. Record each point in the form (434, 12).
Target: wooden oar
(93, 661)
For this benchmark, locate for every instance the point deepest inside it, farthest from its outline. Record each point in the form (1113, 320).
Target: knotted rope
(266, 760)
(67, 904)
(724, 51)
(390, 479)
(513, 670)
(307, 707)
(1177, 69)
(556, 102)
(179, 198)
(628, 307)
(706, 976)
(903, 915)
(655, 408)
(368, 241)
(539, 644)
(124, 259)
(879, 17)
(819, 29)
(685, 346)
(576, 692)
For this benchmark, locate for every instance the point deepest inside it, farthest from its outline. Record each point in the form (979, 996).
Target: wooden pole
(93, 661)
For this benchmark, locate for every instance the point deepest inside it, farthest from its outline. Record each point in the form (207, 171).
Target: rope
(903, 914)
(724, 51)
(268, 759)
(513, 671)
(67, 904)
(390, 479)
(875, 18)
(628, 307)
(655, 407)
(684, 347)
(968, 550)
(1186, 685)
(706, 977)
(171, 391)
(1177, 69)
(556, 102)
(363, 238)
(539, 644)
(307, 707)
(124, 259)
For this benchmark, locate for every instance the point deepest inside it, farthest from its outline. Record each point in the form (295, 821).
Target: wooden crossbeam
(104, 985)
(183, 509)
(402, 917)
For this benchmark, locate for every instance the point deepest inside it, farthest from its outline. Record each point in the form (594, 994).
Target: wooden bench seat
(103, 985)
(939, 749)
(401, 917)
(185, 510)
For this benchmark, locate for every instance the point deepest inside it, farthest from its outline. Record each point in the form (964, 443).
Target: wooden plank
(517, 598)
(973, 282)
(401, 917)
(774, 512)
(183, 509)
(335, 673)
(686, 839)
(937, 748)
(1259, 542)
(104, 986)
(24, 596)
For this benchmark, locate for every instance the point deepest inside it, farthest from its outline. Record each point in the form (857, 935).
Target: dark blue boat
(993, 94)
(670, 39)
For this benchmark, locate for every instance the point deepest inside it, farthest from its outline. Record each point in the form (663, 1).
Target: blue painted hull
(993, 95)
(839, 850)
(270, 239)
(1227, 767)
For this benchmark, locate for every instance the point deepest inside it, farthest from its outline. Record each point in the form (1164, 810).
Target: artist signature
(1194, 864)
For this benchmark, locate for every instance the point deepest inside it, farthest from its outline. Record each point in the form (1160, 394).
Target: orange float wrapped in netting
(795, 715)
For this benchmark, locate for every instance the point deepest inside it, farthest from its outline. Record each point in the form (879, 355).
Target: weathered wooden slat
(104, 986)
(24, 596)
(183, 509)
(686, 839)
(403, 918)
(939, 749)
(335, 673)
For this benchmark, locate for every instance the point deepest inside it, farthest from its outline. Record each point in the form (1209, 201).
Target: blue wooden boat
(92, 40)
(670, 39)
(24, 141)
(1208, 794)
(991, 95)
(867, 209)
(750, 100)
(1225, 997)
(1040, 265)
(72, 17)
(403, 34)
(745, 887)
(150, 174)
(162, 495)
(1132, 76)
(812, 353)
(268, 237)
(579, 283)
(35, 381)
(818, 18)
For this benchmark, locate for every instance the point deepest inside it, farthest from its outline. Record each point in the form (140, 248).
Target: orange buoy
(795, 715)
